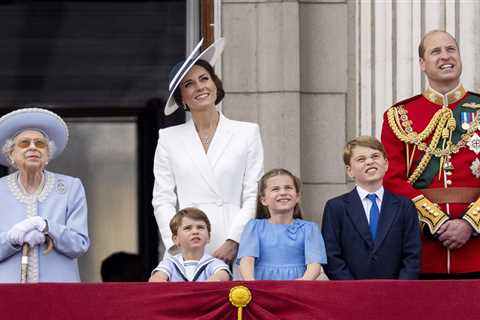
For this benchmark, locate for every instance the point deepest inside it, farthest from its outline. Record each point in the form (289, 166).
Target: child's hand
(158, 276)
(220, 275)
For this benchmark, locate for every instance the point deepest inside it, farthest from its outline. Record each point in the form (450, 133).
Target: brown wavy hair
(192, 213)
(177, 95)
(262, 211)
(362, 141)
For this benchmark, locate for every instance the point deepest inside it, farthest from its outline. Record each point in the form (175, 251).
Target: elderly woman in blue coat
(37, 205)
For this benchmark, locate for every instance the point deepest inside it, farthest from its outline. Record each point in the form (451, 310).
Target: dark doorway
(103, 62)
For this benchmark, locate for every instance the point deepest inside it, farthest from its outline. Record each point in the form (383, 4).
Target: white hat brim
(43, 120)
(211, 55)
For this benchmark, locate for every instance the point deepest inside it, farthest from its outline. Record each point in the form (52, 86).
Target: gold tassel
(240, 297)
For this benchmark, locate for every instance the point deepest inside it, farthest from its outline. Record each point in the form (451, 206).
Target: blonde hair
(262, 211)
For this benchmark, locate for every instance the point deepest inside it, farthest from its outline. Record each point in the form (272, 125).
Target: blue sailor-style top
(176, 269)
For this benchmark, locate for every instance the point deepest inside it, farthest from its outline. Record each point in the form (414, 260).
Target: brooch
(61, 187)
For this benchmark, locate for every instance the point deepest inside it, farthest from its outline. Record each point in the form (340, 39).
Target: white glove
(17, 233)
(39, 223)
(34, 238)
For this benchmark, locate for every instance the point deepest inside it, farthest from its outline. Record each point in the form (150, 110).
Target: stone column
(260, 70)
(389, 33)
(324, 68)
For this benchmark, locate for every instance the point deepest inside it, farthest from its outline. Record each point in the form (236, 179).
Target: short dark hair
(262, 211)
(421, 46)
(177, 94)
(362, 141)
(192, 213)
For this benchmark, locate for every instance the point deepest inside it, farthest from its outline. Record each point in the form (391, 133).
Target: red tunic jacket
(420, 110)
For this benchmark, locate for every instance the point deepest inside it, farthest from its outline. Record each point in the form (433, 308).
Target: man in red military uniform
(433, 144)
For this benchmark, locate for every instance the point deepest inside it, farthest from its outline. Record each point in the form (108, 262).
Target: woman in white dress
(210, 162)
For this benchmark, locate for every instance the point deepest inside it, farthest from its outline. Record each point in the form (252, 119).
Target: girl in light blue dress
(278, 244)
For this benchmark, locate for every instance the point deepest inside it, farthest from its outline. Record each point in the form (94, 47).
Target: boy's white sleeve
(164, 266)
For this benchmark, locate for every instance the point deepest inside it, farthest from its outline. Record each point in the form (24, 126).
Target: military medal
(475, 167)
(466, 118)
(474, 143)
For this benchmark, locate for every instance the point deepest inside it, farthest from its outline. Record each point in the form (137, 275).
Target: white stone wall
(324, 51)
(285, 67)
(260, 71)
(388, 34)
(315, 73)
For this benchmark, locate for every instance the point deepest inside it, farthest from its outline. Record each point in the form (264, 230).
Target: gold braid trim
(428, 156)
(429, 213)
(442, 124)
(472, 216)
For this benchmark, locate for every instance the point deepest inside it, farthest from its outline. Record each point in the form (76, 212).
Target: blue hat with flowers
(179, 70)
(38, 119)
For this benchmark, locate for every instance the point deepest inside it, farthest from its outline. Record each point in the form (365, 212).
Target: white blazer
(221, 182)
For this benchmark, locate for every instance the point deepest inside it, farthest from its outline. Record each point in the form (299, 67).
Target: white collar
(364, 193)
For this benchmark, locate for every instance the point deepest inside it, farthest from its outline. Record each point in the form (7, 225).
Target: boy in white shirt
(190, 232)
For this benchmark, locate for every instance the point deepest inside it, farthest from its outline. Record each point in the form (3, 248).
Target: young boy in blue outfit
(190, 232)
(370, 233)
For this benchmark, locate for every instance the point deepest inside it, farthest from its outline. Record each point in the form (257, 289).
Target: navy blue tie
(374, 215)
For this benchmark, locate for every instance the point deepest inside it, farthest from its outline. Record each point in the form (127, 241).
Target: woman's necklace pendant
(205, 140)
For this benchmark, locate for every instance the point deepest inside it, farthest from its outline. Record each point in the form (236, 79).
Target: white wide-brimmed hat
(211, 55)
(39, 119)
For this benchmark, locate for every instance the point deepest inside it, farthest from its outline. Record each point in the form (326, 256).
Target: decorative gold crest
(471, 105)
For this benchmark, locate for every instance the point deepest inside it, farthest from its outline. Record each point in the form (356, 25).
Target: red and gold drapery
(270, 300)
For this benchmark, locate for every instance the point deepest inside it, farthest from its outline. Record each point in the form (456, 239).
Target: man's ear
(421, 62)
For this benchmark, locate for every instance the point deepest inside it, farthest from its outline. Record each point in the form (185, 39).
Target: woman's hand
(16, 235)
(34, 238)
(227, 251)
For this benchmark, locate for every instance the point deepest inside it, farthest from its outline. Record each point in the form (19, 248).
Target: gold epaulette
(472, 216)
(429, 213)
